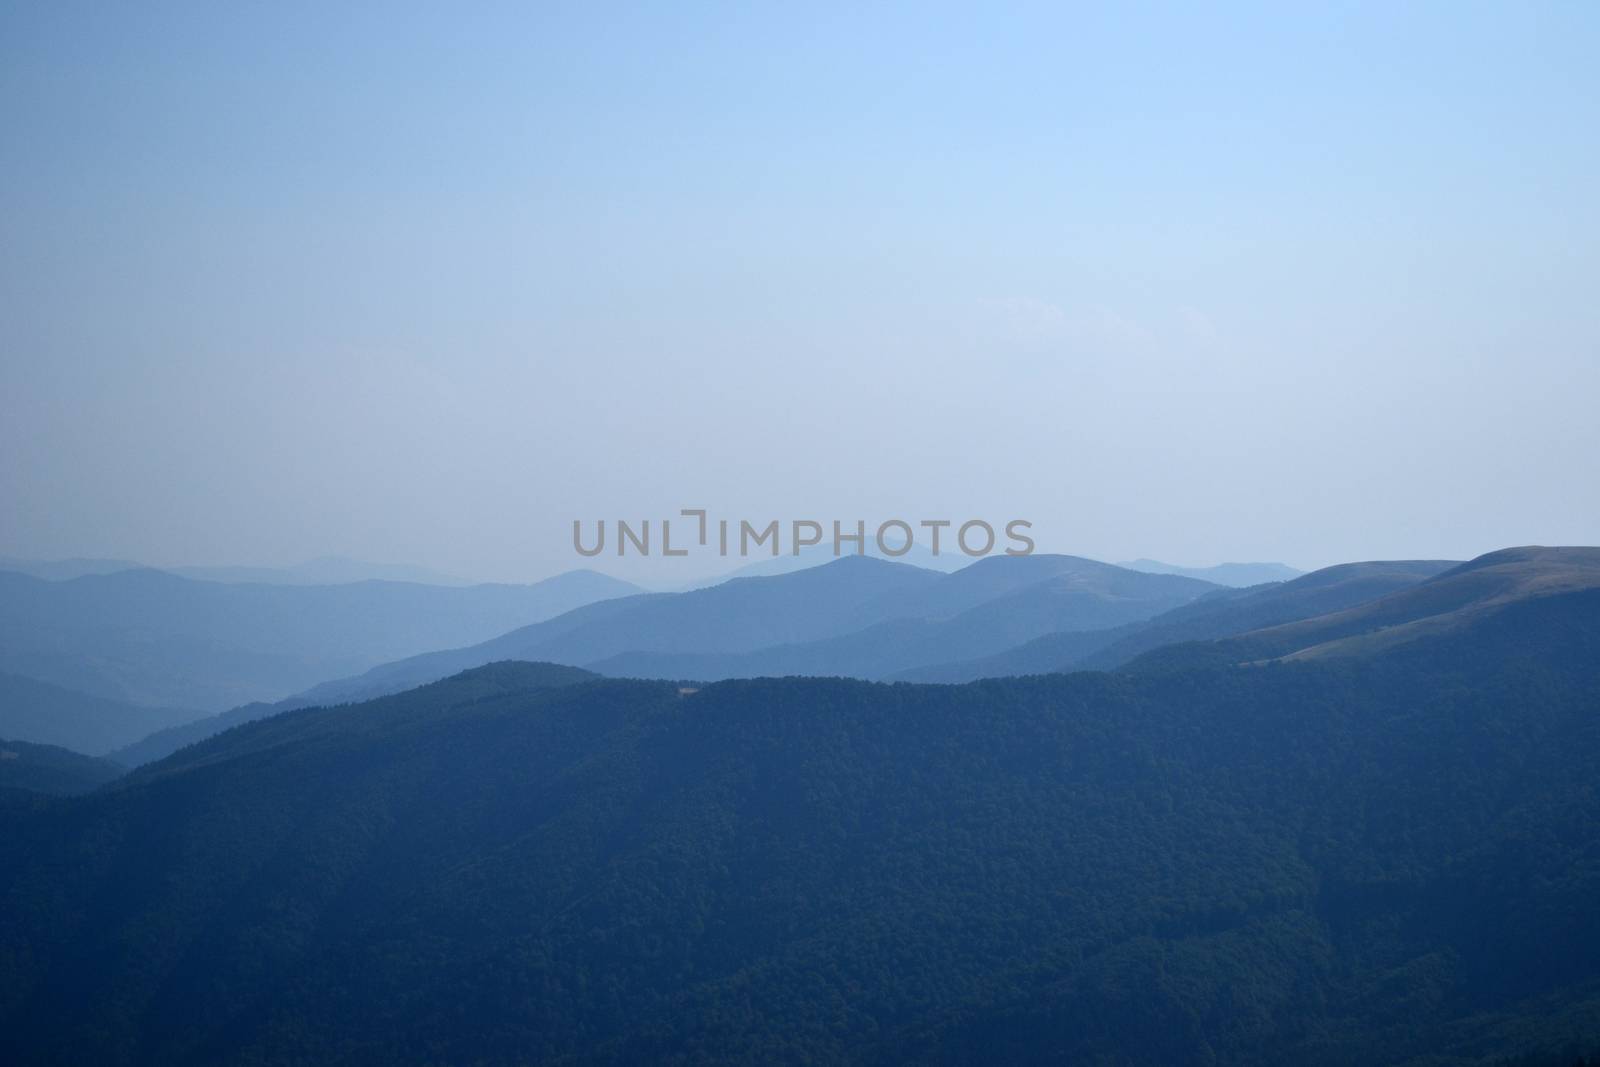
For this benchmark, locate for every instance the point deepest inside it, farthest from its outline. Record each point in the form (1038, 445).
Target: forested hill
(1389, 859)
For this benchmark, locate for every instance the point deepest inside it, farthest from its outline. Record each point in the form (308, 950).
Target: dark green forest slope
(1388, 859)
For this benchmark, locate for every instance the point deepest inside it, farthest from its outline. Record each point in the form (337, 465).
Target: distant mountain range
(35, 711)
(854, 617)
(991, 605)
(326, 570)
(60, 570)
(1222, 613)
(1237, 575)
(1451, 599)
(1379, 849)
(1230, 574)
(835, 607)
(152, 638)
(820, 555)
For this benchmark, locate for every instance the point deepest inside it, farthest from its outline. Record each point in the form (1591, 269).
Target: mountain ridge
(654, 627)
(1236, 575)
(970, 610)
(1455, 597)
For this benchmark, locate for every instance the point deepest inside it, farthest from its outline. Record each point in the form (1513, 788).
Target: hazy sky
(426, 283)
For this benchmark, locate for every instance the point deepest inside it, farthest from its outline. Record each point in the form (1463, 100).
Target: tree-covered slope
(1389, 859)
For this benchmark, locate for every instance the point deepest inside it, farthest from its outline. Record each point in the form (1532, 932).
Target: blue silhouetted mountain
(1237, 575)
(46, 714)
(60, 570)
(918, 555)
(149, 637)
(326, 570)
(1453, 598)
(992, 604)
(1222, 613)
(1386, 859)
(51, 769)
(739, 615)
(743, 613)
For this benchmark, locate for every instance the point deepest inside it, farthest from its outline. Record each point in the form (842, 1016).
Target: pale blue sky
(426, 283)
